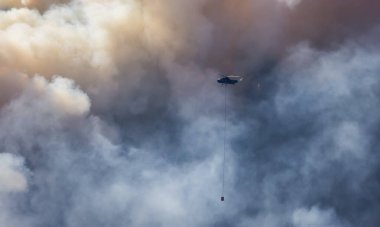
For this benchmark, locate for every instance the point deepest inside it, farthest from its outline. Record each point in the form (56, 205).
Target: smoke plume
(110, 114)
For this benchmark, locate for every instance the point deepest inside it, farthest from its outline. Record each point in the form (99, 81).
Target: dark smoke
(110, 114)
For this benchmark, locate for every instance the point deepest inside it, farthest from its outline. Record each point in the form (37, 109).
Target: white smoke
(315, 217)
(110, 116)
(12, 175)
(290, 3)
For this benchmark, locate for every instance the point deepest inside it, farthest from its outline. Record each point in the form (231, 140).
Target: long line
(224, 139)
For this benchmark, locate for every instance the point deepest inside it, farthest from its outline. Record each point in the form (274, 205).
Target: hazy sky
(110, 114)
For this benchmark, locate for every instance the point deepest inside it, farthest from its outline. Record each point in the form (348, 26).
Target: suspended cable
(224, 141)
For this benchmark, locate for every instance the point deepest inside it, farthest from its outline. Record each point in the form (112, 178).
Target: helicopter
(231, 79)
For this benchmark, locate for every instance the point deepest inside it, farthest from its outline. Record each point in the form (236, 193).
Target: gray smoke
(110, 114)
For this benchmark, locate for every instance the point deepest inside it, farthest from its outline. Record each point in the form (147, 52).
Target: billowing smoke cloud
(110, 114)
